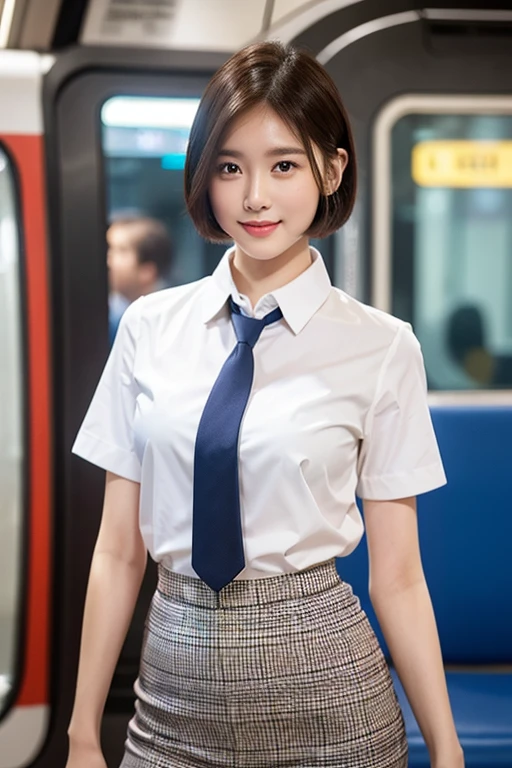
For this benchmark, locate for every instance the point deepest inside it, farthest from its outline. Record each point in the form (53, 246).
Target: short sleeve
(106, 435)
(399, 456)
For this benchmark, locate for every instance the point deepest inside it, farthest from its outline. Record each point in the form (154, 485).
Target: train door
(25, 417)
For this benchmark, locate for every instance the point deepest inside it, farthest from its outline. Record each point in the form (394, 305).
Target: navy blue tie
(217, 543)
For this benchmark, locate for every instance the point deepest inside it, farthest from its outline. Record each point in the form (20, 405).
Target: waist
(245, 592)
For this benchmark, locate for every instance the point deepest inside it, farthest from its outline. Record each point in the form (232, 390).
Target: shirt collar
(298, 299)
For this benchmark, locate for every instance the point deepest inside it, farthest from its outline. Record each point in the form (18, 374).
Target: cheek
(220, 199)
(302, 199)
(118, 264)
(128, 264)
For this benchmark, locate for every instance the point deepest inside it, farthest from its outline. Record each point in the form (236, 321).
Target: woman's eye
(285, 166)
(229, 168)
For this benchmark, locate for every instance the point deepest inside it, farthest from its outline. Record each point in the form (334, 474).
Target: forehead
(260, 125)
(121, 235)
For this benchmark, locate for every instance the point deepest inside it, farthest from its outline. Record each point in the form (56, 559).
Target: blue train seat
(466, 543)
(482, 708)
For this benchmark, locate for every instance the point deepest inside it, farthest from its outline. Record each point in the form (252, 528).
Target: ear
(335, 171)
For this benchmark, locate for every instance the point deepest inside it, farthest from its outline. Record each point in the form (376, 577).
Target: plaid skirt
(280, 672)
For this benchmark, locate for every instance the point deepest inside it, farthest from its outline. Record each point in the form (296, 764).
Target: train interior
(97, 100)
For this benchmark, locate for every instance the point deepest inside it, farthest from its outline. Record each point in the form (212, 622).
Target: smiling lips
(260, 228)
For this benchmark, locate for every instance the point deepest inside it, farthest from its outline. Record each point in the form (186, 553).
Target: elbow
(133, 556)
(398, 583)
(138, 558)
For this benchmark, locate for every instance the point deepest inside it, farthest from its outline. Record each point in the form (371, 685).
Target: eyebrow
(276, 152)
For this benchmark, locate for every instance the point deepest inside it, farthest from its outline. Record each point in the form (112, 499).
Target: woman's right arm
(116, 574)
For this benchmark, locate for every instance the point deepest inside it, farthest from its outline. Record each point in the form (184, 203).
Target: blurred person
(138, 259)
(466, 339)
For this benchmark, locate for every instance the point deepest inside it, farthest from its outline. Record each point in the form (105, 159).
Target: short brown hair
(292, 83)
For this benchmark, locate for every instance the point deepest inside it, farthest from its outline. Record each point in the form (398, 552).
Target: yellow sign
(462, 164)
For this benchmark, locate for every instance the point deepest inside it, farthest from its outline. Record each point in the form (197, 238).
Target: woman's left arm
(401, 600)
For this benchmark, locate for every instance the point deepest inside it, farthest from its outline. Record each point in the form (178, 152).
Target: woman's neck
(256, 277)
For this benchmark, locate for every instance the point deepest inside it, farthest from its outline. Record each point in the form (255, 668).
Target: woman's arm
(401, 600)
(116, 574)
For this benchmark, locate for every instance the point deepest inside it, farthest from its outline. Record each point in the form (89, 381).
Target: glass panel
(452, 244)
(144, 142)
(11, 429)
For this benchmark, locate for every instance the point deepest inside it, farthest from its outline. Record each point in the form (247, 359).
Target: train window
(11, 428)
(451, 242)
(144, 145)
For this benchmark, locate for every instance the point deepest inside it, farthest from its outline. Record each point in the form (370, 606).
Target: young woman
(237, 418)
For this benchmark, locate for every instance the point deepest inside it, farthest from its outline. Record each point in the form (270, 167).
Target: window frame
(20, 627)
(381, 249)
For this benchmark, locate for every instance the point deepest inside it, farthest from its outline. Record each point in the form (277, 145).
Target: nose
(256, 193)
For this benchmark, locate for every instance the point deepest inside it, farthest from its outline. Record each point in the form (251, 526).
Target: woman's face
(263, 192)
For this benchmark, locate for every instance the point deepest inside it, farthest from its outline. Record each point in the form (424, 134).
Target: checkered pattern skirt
(280, 672)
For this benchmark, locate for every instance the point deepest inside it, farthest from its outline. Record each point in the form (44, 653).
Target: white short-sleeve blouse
(338, 407)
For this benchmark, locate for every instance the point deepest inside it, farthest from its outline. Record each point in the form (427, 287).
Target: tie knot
(248, 329)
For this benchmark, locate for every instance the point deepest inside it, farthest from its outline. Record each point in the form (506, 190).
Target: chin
(265, 250)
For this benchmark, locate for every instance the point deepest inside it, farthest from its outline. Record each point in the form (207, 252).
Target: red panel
(27, 152)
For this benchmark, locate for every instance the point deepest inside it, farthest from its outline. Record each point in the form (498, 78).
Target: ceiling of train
(222, 25)
(184, 24)
(204, 25)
